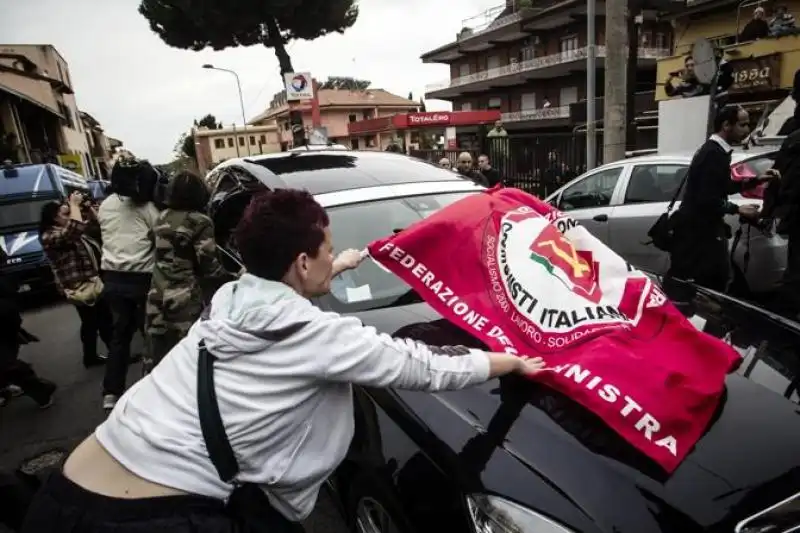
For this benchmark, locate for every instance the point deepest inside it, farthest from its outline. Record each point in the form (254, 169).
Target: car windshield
(21, 214)
(355, 226)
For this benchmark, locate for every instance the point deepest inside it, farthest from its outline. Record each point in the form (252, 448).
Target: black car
(512, 455)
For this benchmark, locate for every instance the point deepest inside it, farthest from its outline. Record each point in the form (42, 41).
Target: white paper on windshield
(698, 322)
(358, 294)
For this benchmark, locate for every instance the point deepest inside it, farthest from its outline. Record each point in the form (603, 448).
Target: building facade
(528, 60)
(39, 115)
(214, 146)
(338, 108)
(763, 69)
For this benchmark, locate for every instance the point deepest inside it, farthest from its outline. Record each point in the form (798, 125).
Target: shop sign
(428, 119)
(756, 73)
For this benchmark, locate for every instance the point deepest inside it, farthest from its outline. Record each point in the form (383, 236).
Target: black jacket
(492, 176)
(782, 198)
(708, 185)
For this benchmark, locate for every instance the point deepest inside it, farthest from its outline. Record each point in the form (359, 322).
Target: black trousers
(791, 276)
(701, 257)
(61, 506)
(95, 320)
(127, 296)
(19, 373)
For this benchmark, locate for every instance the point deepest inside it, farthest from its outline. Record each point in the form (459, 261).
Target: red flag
(525, 278)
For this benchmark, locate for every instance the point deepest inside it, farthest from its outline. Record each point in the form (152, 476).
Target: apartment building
(763, 69)
(214, 146)
(39, 115)
(527, 59)
(338, 108)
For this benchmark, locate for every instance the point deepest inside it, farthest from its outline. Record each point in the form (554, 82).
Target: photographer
(689, 85)
(127, 219)
(70, 238)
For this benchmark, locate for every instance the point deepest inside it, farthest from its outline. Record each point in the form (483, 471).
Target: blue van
(23, 191)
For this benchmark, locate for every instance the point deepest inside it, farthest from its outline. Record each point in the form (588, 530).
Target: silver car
(619, 202)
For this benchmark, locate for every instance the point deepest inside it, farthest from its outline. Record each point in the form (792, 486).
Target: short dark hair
(687, 59)
(276, 227)
(729, 114)
(47, 216)
(486, 156)
(187, 192)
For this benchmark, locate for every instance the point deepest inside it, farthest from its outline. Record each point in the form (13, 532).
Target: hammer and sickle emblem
(570, 256)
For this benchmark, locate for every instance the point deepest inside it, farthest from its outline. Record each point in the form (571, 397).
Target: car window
(593, 191)
(355, 226)
(654, 183)
(762, 163)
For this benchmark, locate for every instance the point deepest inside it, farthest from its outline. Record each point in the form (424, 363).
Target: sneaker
(45, 399)
(109, 401)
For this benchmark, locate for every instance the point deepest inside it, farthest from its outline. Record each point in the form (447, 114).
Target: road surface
(27, 432)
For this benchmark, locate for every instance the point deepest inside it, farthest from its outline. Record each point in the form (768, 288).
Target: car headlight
(491, 514)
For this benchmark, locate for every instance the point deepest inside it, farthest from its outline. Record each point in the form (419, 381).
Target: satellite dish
(705, 61)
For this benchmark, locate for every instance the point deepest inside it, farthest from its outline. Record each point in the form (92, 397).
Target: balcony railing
(487, 21)
(536, 64)
(545, 113)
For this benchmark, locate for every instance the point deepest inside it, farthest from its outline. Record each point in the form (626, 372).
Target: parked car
(619, 202)
(512, 455)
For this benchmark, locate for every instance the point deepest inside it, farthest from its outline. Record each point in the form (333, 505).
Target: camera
(138, 180)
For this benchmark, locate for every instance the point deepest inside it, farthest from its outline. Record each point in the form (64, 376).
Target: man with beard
(700, 245)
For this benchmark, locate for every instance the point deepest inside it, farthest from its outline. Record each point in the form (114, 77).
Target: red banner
(527, 279)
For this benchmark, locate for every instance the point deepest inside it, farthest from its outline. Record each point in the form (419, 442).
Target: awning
(30, 100)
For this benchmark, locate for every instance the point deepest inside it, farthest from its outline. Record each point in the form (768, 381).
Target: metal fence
(537, 163)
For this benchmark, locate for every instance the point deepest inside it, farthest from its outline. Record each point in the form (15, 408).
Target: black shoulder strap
(217, 443)
(678, 192)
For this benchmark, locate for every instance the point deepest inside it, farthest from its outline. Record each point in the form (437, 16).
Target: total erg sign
(429, 119)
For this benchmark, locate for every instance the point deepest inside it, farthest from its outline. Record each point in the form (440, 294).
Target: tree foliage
(348, 84)
(221, 24)
(209, 121)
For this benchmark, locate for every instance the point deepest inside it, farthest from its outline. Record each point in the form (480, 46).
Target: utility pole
(615, 97)
(634, 8)
(591, 86)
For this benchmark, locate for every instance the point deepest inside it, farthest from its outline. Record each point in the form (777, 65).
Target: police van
(24, 189)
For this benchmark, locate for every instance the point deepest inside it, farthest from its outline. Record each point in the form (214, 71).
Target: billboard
(299, 86)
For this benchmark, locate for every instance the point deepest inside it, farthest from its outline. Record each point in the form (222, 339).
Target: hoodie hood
(243, 311)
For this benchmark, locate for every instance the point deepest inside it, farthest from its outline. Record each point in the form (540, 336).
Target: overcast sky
(146, 93)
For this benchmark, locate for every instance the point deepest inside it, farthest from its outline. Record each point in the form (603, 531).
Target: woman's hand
(75, 200)
(347, 260)
(501, 364)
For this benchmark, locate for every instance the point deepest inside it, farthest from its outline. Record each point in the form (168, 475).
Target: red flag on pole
(527, 279)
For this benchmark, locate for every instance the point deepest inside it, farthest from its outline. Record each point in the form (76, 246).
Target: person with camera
(699, 252)
(689, 85)
(186, 267)
(127, 219)
(68, 233)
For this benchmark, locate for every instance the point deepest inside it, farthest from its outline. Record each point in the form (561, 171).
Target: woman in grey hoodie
(284, 373)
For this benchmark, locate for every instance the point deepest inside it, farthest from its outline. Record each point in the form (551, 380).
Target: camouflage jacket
(185, 262)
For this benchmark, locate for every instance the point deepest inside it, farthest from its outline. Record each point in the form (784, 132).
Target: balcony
(482, 32)
(517, 73)
(773, 74)
(545, 113)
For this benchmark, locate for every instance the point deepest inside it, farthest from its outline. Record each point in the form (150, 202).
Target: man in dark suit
(700, 250)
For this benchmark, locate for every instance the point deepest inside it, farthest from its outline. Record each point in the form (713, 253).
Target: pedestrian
(65, 231)
(283, 386)
(12, 336)
(445, 163)
(185, 263)
(127, 219)
(699, 251)
(782, 202)
(689, 85)
(492, 174)
(464, 168)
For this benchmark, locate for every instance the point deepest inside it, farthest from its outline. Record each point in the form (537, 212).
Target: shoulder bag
(663, 231)
(89, 291)
(247, 506)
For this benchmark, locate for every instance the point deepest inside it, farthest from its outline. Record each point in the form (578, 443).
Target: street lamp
(241, 99)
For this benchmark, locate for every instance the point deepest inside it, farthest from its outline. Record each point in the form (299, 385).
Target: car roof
(325, 171)
(737, 155)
